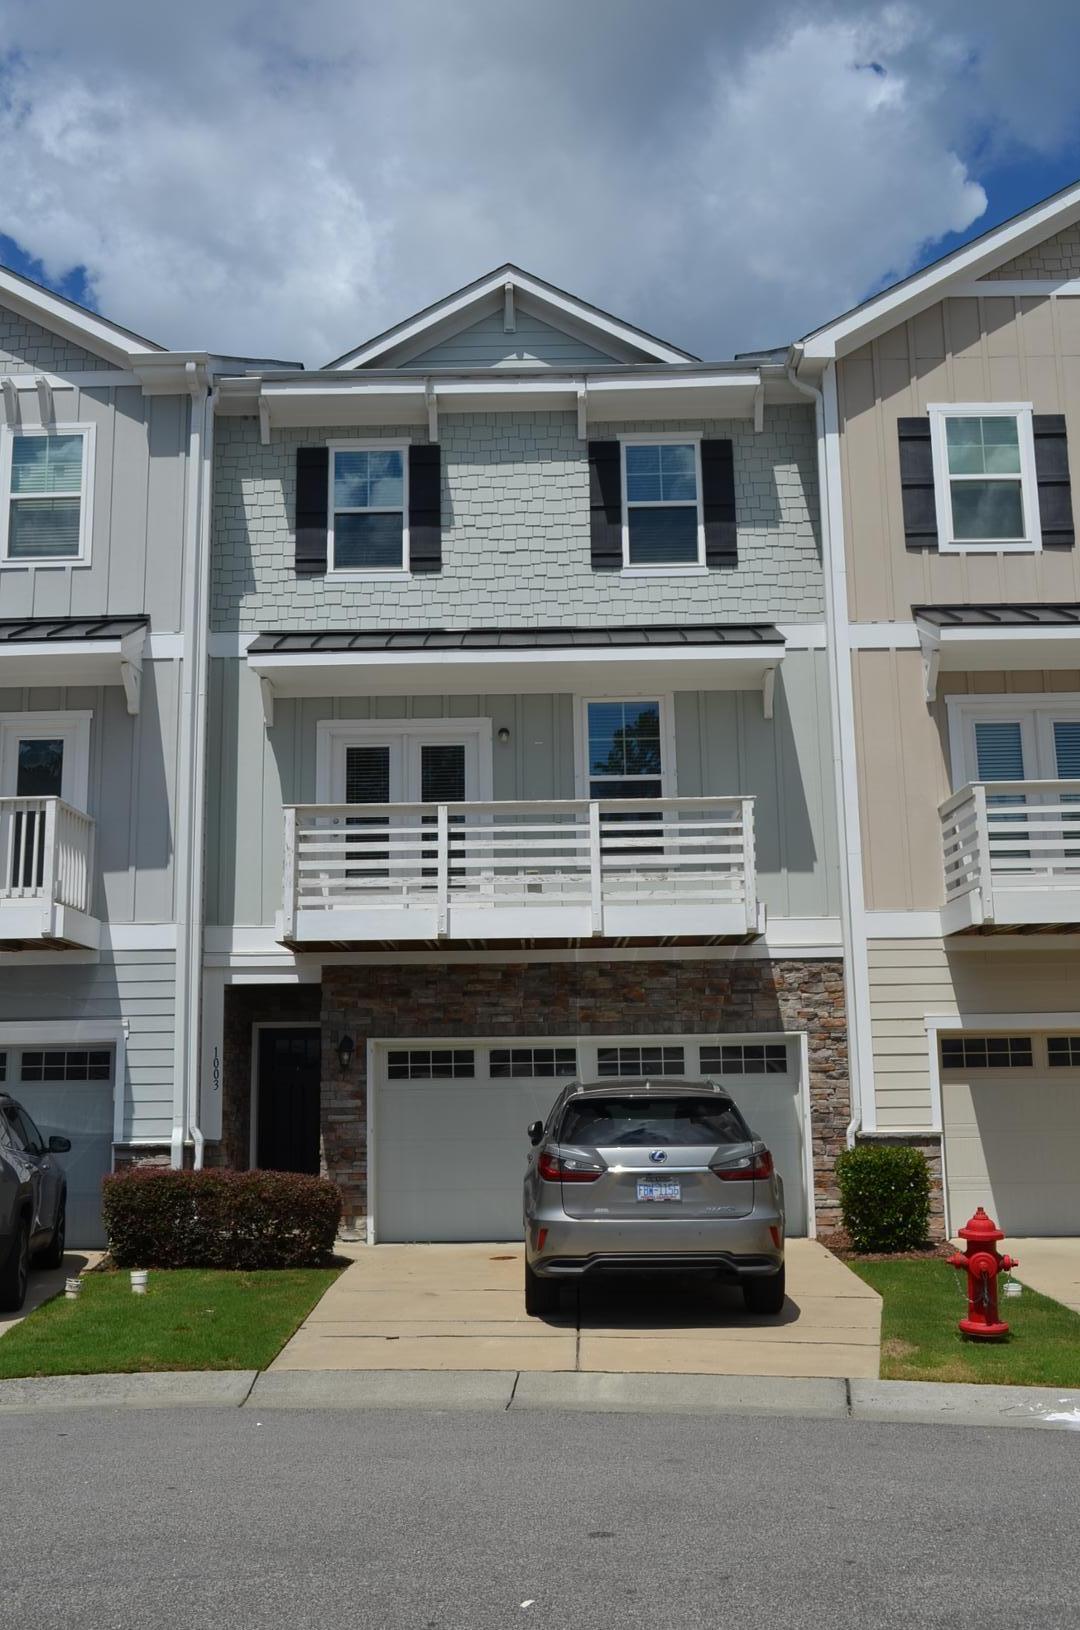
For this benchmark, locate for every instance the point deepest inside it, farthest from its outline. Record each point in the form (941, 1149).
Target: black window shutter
(1052, 476)
(425, 507)
(917, 484)
(718, 503)
(605, 505)
(312, 483)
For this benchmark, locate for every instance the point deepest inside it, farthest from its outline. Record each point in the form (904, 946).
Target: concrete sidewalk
(45, 1283)
(854, 1399)
(1050, 1266)
(461, 1307)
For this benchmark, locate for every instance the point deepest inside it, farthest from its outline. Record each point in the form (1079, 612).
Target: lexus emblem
(658, 1156)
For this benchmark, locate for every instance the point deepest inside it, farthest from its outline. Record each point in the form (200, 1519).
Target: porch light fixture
(503, 734)
(345, 1050)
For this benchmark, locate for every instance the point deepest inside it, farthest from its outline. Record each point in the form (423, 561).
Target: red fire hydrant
(982, 1264)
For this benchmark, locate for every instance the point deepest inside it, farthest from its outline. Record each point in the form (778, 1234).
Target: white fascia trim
(61, 317)
(1030, 633)
(899, 636)
(1017, 287)
(497, 284)
(247, 954)
(164, 647)
(893, 305)
(903, 925)
(802, 636)
(77, 379)
(273, 662)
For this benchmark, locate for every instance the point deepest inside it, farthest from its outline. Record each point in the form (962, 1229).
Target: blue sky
(254, 177)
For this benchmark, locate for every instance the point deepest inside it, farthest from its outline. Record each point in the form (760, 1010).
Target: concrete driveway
(461, 1307)
(45, 1283)
(1051, 1266)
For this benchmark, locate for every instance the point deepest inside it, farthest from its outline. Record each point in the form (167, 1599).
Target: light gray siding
(516, 533)
(486, 345)
(139, 510)
(27, 348)
(131, 784)
(724, 745)
(136, 987)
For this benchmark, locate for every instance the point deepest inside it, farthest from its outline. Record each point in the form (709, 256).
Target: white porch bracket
(432, 405)
(759, 406)
(583, 413)
(768, 690)
(131, 656)
(509, 315)
(266, 690)
(45, 399)
(264, 421)
(11, 403)
(930, 646)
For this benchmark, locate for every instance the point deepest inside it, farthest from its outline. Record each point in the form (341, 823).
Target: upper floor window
(984, 477)
(45, 479)
(662, 518)
(625, 746)
(368, 530)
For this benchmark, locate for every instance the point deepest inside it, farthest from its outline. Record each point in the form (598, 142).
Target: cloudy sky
(268, 178)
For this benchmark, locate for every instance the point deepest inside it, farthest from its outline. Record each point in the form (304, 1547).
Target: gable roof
(460, 310)
(62, 316)
(954, 272)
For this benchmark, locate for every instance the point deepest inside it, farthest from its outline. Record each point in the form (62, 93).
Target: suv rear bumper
(738, 1246)
(723, 1262)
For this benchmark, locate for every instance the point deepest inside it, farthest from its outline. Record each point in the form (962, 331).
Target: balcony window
(368, 506)
(45, 476)
(662, 523)
(984, 478)
(625, 749)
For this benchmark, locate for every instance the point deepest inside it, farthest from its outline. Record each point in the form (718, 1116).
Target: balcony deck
(1012, 858)
(46, 872)
(561, 872)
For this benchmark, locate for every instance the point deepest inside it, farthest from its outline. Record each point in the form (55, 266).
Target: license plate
(659, 1191)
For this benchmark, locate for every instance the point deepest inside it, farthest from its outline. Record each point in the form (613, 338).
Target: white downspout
(841, 710)
(191, 774)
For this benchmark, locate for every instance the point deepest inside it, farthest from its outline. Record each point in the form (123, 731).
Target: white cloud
(726, 180)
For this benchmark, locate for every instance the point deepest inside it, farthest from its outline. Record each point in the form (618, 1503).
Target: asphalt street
(464, 1520)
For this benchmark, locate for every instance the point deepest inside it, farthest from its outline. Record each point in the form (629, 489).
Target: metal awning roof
(991, 638)
(478, 661)
(74, 651)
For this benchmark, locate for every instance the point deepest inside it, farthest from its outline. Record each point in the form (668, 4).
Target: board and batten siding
(132, 779)
(902, 751)
(139, 510)
(724, 746)
(132, 987)
(487, 345)
(516, 544)
(997, 348)
(910, 979)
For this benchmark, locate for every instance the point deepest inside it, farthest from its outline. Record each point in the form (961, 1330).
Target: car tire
(15, 1272)
(765, 1295)
(541, 1295)
(53, 1254)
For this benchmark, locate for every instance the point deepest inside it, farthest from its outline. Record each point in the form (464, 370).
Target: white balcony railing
(614, 868)
(46, 870)
(1012, 854)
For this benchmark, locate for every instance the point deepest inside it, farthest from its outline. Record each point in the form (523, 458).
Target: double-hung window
(663, 525)
(45, 476)
(625, 749)
(368, 530)
(984, 477)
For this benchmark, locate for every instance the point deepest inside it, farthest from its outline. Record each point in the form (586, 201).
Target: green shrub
(884, 1197)
(219, 1219)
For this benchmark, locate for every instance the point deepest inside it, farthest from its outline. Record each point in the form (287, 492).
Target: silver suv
(650, 1176)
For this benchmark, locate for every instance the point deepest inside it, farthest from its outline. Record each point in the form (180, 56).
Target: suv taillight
(749, 1169)
(568, 1168)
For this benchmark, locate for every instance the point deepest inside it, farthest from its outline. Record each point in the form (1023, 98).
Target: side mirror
(59, 1146)
(536, 1132)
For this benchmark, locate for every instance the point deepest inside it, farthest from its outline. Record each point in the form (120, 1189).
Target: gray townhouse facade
(519, 760)
(105, 443)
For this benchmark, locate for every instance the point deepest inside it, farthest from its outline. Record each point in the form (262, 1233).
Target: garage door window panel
(986, 1053)
(526, 1063)
(640, 1061)
(746, 1058)
(431, 1064)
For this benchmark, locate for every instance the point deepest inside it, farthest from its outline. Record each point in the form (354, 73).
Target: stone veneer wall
(594, 998)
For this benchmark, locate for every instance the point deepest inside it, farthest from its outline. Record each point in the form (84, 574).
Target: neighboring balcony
(46, 873)
(1012, 856)
(656, 869)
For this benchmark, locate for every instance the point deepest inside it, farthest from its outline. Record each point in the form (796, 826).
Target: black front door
(288, 1117)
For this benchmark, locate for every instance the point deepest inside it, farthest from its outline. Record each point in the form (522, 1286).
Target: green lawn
(920, 1341)
(189, 1319)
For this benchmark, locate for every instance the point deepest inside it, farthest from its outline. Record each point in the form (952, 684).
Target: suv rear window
(629, 1123)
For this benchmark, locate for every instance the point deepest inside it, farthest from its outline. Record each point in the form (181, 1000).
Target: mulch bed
(840, 1245)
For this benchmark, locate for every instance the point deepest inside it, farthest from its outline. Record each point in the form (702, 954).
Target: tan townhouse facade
(949, 423)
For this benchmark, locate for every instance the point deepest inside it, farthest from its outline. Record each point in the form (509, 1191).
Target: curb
(895, 1402)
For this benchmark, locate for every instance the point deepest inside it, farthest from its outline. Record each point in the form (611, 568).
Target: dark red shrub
(219, 1219)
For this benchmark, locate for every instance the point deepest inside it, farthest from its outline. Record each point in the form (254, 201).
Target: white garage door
(1012, 1143)
(68, 1091)
(449, 1120)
